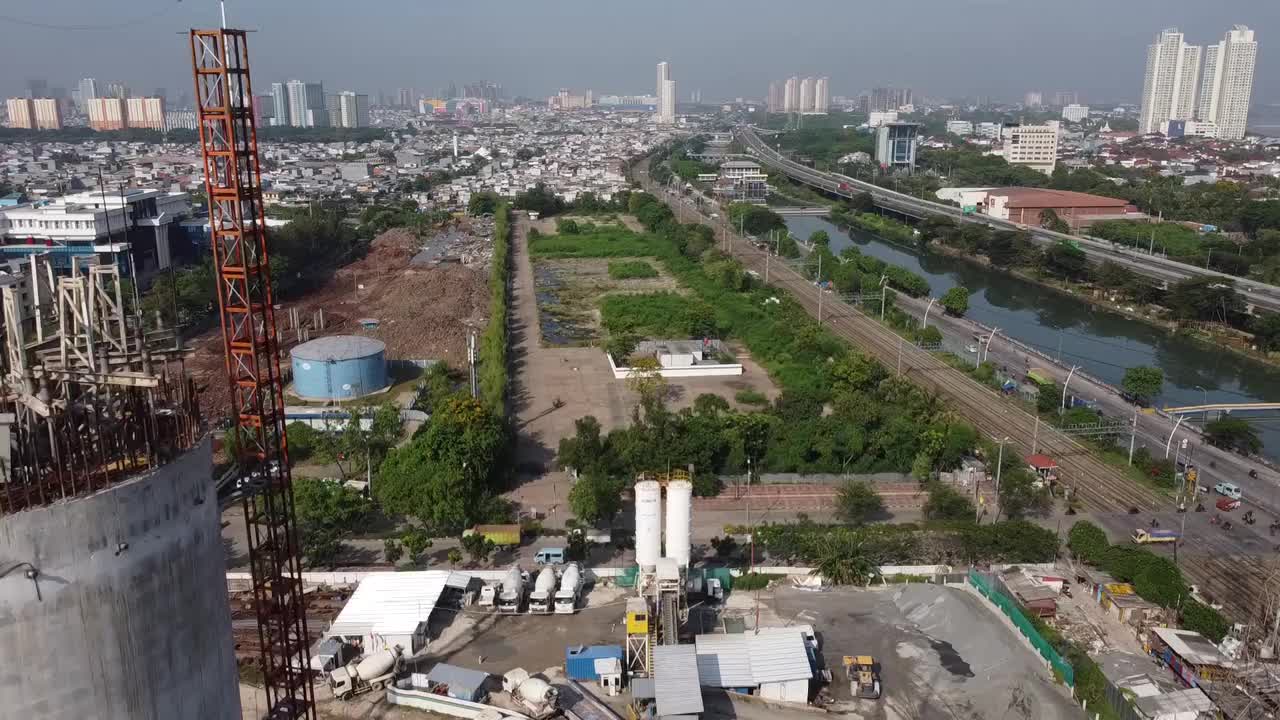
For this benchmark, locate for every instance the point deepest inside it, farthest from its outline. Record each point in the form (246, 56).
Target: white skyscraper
(86, 90)
(791, 95)
(280, 104)
(666, 94)
(822, 95)
(307, 104)
(806, 95)
(1228, 83)
(1169, 87)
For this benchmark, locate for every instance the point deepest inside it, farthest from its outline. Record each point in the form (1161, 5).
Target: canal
(1103, 343)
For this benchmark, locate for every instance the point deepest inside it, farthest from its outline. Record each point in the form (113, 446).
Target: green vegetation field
(596, 241)
(631, 269)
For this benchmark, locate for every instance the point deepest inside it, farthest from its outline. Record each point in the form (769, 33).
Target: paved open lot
(944, 653)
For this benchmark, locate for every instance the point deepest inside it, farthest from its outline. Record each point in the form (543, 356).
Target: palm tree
(845, 566)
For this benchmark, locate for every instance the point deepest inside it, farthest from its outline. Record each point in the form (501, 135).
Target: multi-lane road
(1255, 294)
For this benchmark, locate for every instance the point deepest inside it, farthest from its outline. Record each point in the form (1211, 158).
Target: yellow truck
(864, 676)
(500, 535)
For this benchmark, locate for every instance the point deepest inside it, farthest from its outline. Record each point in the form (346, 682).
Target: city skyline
(533, 67)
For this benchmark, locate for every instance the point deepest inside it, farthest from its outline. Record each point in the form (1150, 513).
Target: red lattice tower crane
(233, 182)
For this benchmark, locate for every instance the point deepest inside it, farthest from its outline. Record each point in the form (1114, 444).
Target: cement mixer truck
(537, 696)
(570, 586)
(371, 672)
(512, 595)
(544, 588)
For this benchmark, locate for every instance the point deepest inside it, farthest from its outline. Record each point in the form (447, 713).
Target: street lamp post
(999, 466)
(1066, 384)
(1206, 403)
(924, 322)
(884, 286)
(1169, 444)
(987, 348)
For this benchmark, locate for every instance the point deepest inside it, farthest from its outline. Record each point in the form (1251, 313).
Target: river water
(1102, 343)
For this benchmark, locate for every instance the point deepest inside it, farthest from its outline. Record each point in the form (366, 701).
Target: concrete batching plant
(339, 367)
(648, 495)
(654, 617)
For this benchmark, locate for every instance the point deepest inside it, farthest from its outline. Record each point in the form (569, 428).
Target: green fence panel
(1010, 608)
(628, 578)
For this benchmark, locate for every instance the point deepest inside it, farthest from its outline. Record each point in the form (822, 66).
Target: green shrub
(630, 269)
(754, 581)
(751, 397)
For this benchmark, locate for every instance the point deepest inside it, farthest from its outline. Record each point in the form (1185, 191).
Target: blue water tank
(339, 367)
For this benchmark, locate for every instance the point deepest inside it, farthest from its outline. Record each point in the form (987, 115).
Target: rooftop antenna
(222, 6)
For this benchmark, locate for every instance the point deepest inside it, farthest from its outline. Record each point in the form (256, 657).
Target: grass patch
(754, 581)
(631, 269)
(751, 397)
(602, 241)
(658, 315)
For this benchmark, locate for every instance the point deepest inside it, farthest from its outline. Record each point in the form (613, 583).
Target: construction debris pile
(88, 396)
(421, 311)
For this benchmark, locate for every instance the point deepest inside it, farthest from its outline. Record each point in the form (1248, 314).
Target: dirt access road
(581, 379)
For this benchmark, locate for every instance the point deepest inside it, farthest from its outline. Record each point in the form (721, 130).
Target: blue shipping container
(580, 661)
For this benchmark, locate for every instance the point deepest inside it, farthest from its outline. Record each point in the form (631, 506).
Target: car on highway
(1227, 489)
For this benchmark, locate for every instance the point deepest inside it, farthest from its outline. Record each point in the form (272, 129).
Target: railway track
(1237, 580)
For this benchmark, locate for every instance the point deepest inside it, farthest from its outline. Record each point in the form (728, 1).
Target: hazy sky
(727, 48)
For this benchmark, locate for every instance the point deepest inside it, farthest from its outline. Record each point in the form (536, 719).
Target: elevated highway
(1256, 295)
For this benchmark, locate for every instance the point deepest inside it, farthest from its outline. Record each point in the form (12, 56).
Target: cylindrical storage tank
(122, 611)
(339, 367)
(679, 520)
(570, 579)
(648, 523)
(513, 582)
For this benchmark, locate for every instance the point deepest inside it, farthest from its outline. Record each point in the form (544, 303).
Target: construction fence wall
(990, 588)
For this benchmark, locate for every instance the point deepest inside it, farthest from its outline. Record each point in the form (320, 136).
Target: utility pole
(999, 466)
(924, 322)
(986, 349)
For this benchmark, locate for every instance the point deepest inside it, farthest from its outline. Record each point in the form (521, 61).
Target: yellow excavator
(864, 676)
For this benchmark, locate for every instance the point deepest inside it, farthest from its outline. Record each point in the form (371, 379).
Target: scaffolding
(88, 397)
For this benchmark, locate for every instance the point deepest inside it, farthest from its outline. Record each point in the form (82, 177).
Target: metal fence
(1010, 608)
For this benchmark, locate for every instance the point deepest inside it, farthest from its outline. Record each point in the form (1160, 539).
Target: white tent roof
(394, 603)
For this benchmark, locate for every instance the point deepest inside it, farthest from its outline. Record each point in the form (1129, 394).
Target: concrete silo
(679, 521)
(648, 494)
(339, 367)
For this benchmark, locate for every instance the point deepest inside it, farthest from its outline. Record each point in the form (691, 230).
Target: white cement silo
(648, 523)
(679, 520)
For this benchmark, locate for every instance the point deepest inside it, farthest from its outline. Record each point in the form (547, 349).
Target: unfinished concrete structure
(111, 558)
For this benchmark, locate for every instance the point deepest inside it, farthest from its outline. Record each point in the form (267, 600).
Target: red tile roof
(1020, 197)
(1041, 461)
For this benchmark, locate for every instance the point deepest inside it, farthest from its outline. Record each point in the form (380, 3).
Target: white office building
(666, 95)
(1075, 113)
(1228, 83)
(1169, 86)
(822, 95)
(960, 127)
(1035, 146)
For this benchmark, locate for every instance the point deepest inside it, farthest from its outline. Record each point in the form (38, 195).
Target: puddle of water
(556, 330)
(950, 659)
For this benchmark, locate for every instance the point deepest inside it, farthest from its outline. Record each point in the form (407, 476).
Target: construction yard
(569, 292)
(417, 295)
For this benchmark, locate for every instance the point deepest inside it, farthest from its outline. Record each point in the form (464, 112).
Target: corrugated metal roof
(675, 681)
(457, 677)
(393, 603)
(772, 655)
(724, 661)
(778, 656)
(338, 347)
(1192, 647)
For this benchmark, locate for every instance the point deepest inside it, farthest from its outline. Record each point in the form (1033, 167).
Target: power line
(160, 12)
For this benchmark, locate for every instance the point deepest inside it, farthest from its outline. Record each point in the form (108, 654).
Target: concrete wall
(136, 634)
